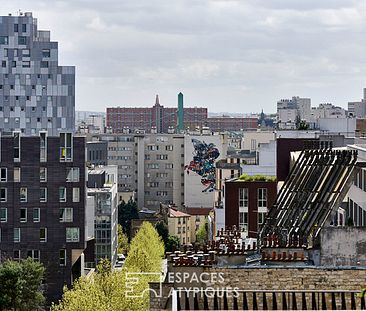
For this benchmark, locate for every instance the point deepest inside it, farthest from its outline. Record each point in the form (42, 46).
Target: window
(23, 215)
(161, 157)
(26, 64)
(243, 197)
(22, 40)
(72, 235)
(162, 193)
(23, 194)
(16, 235)
(16, 136)
(36, 215)
(3, 174)
(16, 174)
(168, 165)
(168, 184)
(62, 257)
(62, 194)
(46, 53)
(4, 39)
(34, 254)
(43, 146)
(65, 146)
(44, 64)
(43, 195)
(26, 53)
(24, 27)
(13, 64)
(16, 254)
(151, 147)
(16, 27)
(72, 174)
(66, 214)
(16, 55)
(262, 197)
(3, 214)
(3, 194)
(3, 63)
(75, 194)
(261, 217)
(243, 221)
(43, 234)
(43, 174)
(153, 165)
(169, 148)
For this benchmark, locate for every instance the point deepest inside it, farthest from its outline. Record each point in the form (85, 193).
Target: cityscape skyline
(241, 56)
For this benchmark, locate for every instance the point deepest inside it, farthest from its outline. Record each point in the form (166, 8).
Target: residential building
(226, 123)
(246, 204)
(157, 117)
(288, 110)
(42, 204)
(102, 188)
(36, 94)
(97, 152)
(327, 111)
(357, 109)
(162, 119)
(199, 217)
(179, 225)
(150, 165)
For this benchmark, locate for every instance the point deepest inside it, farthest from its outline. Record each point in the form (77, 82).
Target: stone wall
(270, 279)
(343, 246)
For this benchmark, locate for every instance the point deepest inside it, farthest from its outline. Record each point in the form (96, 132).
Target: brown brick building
(247, 203)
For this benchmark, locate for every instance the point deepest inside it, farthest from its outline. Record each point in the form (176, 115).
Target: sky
(226, 55)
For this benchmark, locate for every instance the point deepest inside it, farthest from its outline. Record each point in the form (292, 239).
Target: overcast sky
(235, 56)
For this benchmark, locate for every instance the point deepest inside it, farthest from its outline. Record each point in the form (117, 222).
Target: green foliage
(172, 243)
(123, 245)
(127, 212)
(146, 250)
(20, 285)
(246, 177)
(106, 290)
(201, 234)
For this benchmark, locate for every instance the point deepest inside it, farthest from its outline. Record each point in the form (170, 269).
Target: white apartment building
(289, 109)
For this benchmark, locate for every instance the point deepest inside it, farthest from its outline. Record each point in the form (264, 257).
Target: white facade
(346, 126)
(327, 111)
(266, 161)
(193, 195)
(289, 109)
(251, 140)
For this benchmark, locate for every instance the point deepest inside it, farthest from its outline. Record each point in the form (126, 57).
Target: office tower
(36, 94)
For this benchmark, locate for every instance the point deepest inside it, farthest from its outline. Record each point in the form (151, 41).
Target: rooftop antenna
(20, 12)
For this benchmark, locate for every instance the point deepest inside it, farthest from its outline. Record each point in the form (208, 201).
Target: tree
(146, 250)
(20, 285)
(123, 245)
(127, 212)
(107, 290)
(172, 243)
(201, 234)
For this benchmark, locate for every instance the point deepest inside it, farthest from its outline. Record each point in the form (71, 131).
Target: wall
(193, 195)
(269, 278)
(343, 246)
